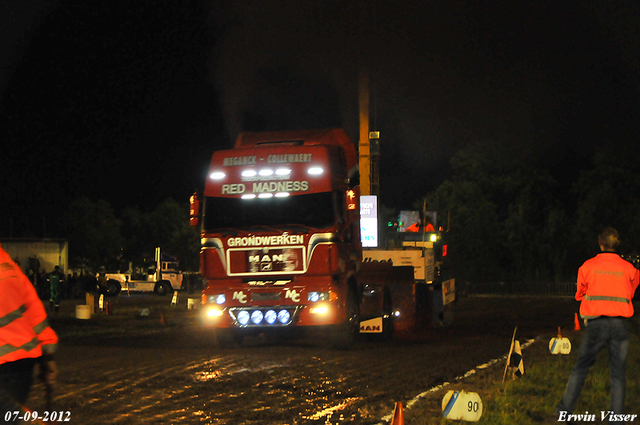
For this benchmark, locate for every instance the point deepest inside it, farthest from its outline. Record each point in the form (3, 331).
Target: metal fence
(519, 288)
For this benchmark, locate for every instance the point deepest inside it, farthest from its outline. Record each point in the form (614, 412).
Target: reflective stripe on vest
(605, 298)
(41, 327)
(8, 348)
(17, 314)
(14, 315)
(11, 317)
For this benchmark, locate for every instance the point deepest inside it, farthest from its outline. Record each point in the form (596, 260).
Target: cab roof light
(265, 172)
(315, 171)
(248, 173)
(282, 194)
(283, 172)
(217, 175)
(265, 195)
(248, 196)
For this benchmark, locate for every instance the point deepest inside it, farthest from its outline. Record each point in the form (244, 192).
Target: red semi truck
(281, 249)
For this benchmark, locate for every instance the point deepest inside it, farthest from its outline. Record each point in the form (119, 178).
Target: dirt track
(121, 369)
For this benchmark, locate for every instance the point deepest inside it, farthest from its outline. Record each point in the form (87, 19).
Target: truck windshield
(312, 210)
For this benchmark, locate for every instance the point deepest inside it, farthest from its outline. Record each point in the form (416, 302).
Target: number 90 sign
(461, 405)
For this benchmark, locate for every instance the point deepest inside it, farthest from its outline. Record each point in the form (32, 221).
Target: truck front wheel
(112, 288)
(162, 288)
(345, 334)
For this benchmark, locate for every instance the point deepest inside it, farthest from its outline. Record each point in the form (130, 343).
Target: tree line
(99, 237)
(512, 220)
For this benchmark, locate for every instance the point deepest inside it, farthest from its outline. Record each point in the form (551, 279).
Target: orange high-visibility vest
(606, 284)
(24, 329)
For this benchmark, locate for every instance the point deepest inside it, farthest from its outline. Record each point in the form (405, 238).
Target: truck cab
(279, 221)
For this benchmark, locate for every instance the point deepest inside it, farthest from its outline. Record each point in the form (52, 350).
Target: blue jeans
(604, 331)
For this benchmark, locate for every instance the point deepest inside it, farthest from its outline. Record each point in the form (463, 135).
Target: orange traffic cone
(398, 416)
(163, 320)
(577, 323)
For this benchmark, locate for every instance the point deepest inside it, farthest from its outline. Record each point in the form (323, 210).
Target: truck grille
(265, 296)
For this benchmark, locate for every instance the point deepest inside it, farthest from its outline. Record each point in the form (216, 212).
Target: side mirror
(194, 209)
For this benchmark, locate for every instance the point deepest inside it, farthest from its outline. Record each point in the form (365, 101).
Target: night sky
(126, 101)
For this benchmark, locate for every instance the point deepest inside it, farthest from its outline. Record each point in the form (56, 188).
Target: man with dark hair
(606, 284)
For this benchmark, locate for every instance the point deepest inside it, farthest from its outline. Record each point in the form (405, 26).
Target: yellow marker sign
(560, 345)
(462, 406)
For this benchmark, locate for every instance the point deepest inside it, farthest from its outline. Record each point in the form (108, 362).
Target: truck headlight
(256, 317)
(214, 312)
(217, 299)
(319, 310)
(243, 317)
(284, 316)
(270, 316)
(315, 296)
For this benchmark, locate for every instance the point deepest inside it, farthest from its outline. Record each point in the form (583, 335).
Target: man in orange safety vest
(606, 285)
(26, 339)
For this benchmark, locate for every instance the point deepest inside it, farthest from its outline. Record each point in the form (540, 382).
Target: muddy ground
(162, 368)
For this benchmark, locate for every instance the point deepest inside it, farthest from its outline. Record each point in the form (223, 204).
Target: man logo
(266, 262)
(370, 329)
(265, 258)
(371, 326)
